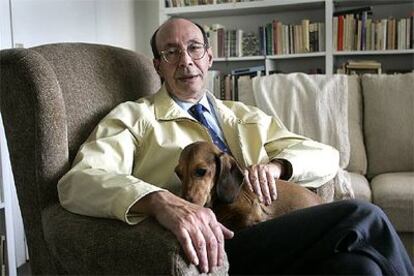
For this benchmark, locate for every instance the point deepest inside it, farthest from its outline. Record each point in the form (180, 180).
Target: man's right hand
(196, 228)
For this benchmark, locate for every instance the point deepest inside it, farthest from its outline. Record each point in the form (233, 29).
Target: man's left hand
(261, 179)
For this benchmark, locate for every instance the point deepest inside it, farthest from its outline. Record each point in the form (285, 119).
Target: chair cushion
(394, 193)
(358, 156)
(361, 187)
(388, 122)
(84, 246)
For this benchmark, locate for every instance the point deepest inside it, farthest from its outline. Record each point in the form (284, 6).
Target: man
(125, 170)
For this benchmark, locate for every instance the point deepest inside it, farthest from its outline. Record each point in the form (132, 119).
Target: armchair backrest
(51, 98)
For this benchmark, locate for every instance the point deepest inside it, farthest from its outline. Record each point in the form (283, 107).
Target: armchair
(52, 96)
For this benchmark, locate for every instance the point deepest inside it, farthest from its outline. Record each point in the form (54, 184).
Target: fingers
(272, 185)
(261, 179)
(186, 243)
(252, 181)
(199, 243)
(196, 229)
(202, 239)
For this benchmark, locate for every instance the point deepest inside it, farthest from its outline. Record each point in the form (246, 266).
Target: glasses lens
(171, 55)
(195, 51)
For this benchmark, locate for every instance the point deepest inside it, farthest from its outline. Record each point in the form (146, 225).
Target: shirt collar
(187, 105)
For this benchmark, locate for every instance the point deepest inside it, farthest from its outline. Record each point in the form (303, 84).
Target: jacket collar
(166, 108)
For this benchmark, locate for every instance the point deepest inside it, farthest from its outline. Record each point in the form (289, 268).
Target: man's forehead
(176, 30)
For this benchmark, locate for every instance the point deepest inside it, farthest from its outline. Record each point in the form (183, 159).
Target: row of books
(233, 86)
(277, 38)
(273, 39)
(360, 32)
(184, 3)
(231, 43)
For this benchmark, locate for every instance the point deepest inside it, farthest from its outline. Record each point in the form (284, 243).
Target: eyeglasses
(195, 51)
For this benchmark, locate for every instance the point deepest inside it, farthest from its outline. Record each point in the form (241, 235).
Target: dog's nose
(189, 198)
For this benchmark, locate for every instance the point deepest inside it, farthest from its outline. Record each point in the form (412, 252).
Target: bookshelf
(248, 16)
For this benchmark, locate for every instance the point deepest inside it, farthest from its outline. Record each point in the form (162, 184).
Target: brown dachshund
(213, 179)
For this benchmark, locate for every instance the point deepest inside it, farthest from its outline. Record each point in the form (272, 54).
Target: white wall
(5, 31)
(123, 23)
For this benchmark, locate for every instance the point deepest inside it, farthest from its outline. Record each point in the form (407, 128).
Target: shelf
(348, 3)
(384, 52)
(303, 55)
(248, 58)
(243, 8)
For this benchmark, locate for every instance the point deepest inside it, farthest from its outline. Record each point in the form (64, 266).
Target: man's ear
(156, 62)
(229, 178)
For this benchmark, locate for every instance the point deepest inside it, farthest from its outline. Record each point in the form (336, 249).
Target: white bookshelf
(249, 15)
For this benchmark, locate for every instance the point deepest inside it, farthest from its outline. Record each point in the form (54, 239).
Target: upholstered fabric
(361, 187)
(388, 122)
(358, 156)
(52, 96)
(112, 247)
(407, 239)
(394, 193)
(315, 106)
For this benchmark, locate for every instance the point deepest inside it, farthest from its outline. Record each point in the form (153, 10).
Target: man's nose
(184, 59)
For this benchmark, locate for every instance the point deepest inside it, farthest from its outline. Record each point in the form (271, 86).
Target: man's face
(184, 79)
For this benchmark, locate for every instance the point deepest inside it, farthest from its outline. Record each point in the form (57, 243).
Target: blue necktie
(197, 111)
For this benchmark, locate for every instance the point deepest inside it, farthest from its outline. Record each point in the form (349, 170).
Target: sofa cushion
(358, 156)
(394, 193)
(361, 187)
(388, 122)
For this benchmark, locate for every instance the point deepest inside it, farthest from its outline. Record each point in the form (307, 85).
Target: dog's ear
(178, 172)
(229, 178)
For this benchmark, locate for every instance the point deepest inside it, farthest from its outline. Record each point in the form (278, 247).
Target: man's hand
(196, 228)
(261, 179)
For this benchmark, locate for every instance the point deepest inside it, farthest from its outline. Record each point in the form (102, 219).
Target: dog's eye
(200, 172)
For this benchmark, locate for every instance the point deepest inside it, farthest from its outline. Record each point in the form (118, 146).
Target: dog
(213, 179)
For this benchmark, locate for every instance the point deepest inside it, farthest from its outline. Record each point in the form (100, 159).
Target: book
(305, 35)
(362, 66)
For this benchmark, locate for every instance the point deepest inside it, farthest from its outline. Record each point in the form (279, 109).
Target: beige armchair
(52, 96)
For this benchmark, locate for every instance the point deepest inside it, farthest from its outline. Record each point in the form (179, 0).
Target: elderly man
(125, 170)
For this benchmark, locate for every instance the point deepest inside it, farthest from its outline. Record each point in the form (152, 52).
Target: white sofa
(375, 115)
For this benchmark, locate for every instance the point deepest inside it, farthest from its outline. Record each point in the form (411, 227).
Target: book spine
(341, 33)
(305, 35)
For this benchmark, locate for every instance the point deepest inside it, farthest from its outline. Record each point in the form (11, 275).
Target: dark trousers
(344, 237)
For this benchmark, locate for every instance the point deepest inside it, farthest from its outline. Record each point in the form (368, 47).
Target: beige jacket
(133, 151)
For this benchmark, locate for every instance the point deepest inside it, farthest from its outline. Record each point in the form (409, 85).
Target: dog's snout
(189, 198)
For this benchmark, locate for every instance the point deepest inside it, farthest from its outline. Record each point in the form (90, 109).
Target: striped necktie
(197, 111)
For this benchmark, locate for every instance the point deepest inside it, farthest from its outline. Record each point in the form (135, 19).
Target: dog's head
(208, 174)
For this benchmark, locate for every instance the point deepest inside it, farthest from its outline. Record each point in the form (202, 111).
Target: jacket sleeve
(312, 163)
(100, 182)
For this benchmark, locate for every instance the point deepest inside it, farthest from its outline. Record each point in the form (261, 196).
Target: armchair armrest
(86, 245)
